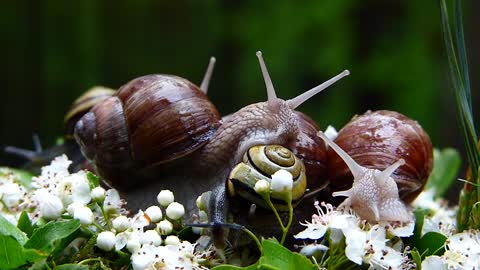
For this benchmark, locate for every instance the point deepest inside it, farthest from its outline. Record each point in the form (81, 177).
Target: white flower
(434, 263)
(165, 197)
(172, 240)
(463, 250)
(112, 202)
(154, 212)
(151, 237)
(313, 249)
(121, 223)
(50, 206)
(175, 211)
(106, 241)
(84, 215)
(71, 207)
(139, 221)
(321, 222)
(199, 203)
(165, 227)
(282, 182)
(75, 188)
(331, 133)
(133, 243)
(262, 186)
(98, 194)
(58, 168)
(121, 240)
(441, 218)
(398, 228)
(11, 194)
(144, 257)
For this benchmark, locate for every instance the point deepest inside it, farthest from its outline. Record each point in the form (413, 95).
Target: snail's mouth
(248, 193)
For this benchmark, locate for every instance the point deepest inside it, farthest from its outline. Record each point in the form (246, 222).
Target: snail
(140, 156)
(386, 142)
(260, 162)
(41, 157)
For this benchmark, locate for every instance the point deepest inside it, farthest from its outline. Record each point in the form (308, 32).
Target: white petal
(434, 263)
(312, 232)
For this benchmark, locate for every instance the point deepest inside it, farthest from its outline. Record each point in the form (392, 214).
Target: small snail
(139, 138)
(378, 139)
(260, 162)
(41, 157)
(390, 157)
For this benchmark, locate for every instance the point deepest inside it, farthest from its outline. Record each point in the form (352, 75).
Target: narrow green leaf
(24, 224)
(417, 258)
(231, 267)
(446, 164)
(93, 180)
(48, 237)
(7, 228)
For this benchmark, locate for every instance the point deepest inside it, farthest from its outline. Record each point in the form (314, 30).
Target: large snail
(160, 131)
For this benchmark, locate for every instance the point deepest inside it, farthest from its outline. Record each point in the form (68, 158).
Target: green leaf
(231, 267)
(417, 258)
(276, 256)
(93, 180)
(431, 243)
(71, 266)
(7, 228)
(13, 255)
(446, 164)
(24, 224)
(49, 237)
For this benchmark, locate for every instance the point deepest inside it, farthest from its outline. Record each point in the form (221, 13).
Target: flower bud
(155, 213)
(175, 211)
(172, 240)
(165, 197)
(262, 186)
(165, 227)
(151, 237)
(84, 215)
(121, 223)
(106, 241)
(98, 194)
(282, 181)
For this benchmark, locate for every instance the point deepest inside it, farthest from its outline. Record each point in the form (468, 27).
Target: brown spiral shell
(149, 121)
(378, 139)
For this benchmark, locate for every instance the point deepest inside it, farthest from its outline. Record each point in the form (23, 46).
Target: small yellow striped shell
(82, 105)
(260, 162)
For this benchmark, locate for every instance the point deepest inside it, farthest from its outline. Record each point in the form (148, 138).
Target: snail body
(208, 158)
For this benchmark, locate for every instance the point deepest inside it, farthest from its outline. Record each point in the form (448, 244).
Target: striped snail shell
(82, 105)
(260, 162)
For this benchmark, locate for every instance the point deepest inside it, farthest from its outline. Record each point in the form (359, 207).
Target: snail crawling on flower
(161, 132)
(388, 156)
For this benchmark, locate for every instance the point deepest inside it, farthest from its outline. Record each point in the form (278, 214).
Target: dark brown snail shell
(149, 121)
(312, 151)
(378, 139)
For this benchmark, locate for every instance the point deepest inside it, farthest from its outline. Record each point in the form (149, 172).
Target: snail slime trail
(143, 137)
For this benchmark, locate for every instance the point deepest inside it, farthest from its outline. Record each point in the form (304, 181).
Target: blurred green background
(54, 50)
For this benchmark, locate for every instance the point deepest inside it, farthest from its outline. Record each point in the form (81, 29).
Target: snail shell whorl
(378, 139)
(260, 162)
(149, 121)
(82, 105)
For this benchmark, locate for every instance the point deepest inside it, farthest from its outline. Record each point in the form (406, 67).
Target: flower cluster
(149, 236)
(371, 244)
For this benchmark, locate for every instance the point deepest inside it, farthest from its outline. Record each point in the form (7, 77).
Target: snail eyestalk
(272, 96)
(356, 169)
(390, 169)
(208, 75)
(297, 101)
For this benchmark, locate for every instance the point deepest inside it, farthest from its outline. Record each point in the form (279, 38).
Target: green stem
(106, 217)
(90, 260)
(254, 237)
(289, 224)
